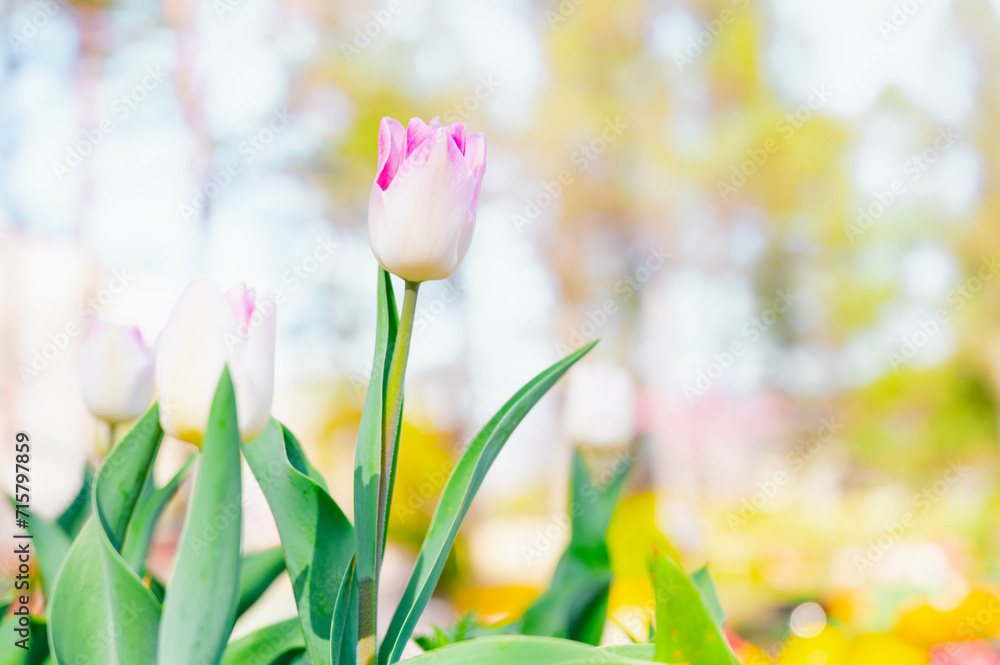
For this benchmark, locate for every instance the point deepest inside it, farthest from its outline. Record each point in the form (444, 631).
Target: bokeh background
(778, 216)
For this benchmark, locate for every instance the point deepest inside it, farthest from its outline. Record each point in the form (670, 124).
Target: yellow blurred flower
(978, 616)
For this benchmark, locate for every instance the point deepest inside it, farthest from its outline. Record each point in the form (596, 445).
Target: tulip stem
(392, 413)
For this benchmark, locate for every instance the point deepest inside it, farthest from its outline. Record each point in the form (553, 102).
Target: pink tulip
(422, 210)
(116, 372)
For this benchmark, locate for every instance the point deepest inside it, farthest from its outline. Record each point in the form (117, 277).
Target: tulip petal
(475, 157)
(391, 144)
(417, 134)
(457, 132)
(191, 353)
(252, 369)
(241, 301)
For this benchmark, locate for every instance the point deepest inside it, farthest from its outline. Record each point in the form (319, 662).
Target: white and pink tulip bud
(422, 210)
(115, 370)
(206, 332)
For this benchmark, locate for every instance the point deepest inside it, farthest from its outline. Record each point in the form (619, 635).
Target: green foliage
(316, 536)
(99, 610)
(200, 606)
(575, 605)
(279, 643)
(686, 628)
(456, 499)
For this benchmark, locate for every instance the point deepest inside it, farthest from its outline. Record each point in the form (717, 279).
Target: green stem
(393, 408)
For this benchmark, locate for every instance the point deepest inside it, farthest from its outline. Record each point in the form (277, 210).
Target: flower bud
(115, 370)
(422, 209)
(206, 332)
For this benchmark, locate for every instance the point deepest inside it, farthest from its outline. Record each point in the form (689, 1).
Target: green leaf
(37, 642)
(123, 476)
(685, 628)
(75, 515)
(637, 651)
(703, 581)
(272, 645)
(147, 513)
(257, 572)
(200, 607)
(316, 536)
(51, 545)
(521, 650)
(368, 451)
(575, 605)
(343, 636)
(456, 498)
(100, 611)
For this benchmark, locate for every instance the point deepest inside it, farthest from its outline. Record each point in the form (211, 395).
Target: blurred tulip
(207, 331)
(600, 405)
(116, 372)
(422, 210)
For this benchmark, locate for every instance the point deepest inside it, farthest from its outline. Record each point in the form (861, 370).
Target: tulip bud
(116, 372)
(422, 210)
(206, 332)
(600, 405)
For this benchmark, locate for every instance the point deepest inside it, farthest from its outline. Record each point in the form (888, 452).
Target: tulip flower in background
(422, 210)
(115, 370)
(600, 406)
(206, 332)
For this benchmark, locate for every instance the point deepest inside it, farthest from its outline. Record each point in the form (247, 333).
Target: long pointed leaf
(703, 581)
(343, 637)
(200, 606)
(316, 536)
(576, 603)
(75, 514)
(147, 514)
(523, 650)
(368, 452)
(685, 628)
(100, 611)
(456, 498)
(257, 572)
(267, 645)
